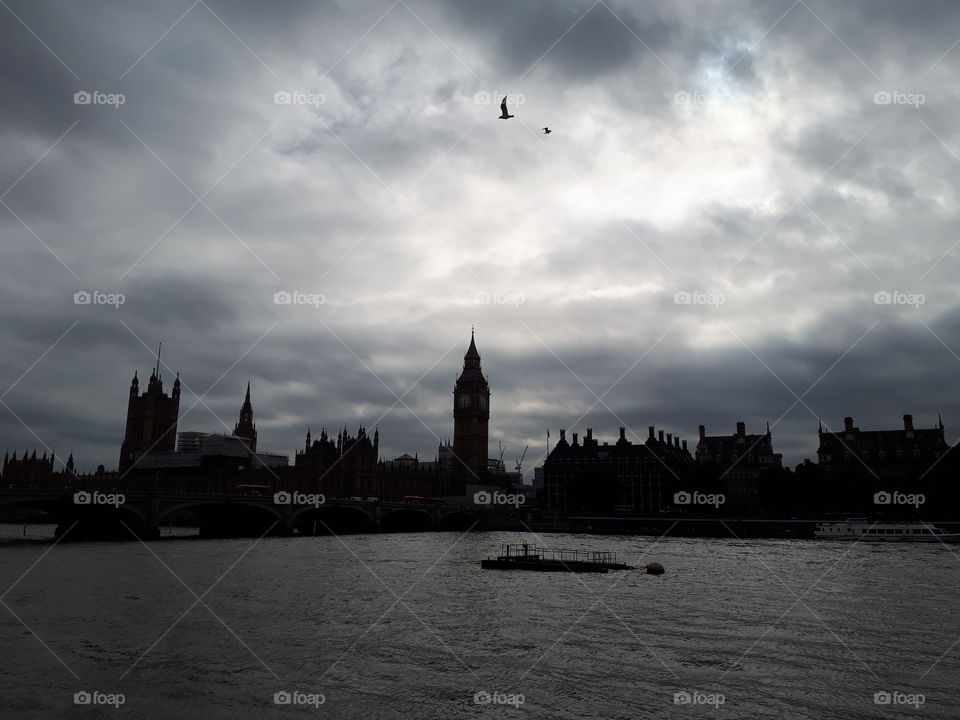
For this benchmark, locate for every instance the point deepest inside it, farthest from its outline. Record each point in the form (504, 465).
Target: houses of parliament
(339, 463)
(584, 477)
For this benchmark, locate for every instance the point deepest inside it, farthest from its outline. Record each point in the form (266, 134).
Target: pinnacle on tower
(472, 353)
(245, 427)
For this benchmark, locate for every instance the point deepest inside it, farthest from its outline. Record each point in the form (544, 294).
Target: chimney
(660, 435)
(908, 422)
(650, 428)
(741, 428)
(622, 433)
(563, 434)
(848, 424)
(574, 438)
(669, 438)
(684, 445)
(703, 432)
(676, 442)
(589, 433)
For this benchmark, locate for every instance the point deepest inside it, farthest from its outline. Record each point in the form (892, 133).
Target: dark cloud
(733, 151)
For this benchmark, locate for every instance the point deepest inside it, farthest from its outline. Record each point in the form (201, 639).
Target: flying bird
(503, 109)
(546, 130)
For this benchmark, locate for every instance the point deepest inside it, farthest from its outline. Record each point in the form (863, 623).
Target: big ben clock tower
(471, 417)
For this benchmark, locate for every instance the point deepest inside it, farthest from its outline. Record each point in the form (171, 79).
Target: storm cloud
(746, 211)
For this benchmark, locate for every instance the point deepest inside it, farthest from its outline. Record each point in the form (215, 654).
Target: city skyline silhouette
(307, 308)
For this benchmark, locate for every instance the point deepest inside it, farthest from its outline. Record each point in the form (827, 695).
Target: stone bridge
(112, 513)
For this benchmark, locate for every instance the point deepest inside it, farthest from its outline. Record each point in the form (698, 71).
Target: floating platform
(530, 557)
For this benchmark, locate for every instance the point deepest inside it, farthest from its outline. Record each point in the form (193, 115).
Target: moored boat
(859, 528)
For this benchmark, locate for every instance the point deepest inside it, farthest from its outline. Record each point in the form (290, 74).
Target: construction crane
(520, 461)
(502, 448)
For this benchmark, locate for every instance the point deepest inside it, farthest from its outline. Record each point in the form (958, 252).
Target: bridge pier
(285, 524)
(151, 523)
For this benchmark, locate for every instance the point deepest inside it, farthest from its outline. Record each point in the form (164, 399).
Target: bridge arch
(193, 505)
(458, 520)
(336, 519)
(236, 518)
(408, 519)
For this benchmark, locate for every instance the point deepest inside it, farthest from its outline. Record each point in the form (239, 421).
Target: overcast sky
(775, 163)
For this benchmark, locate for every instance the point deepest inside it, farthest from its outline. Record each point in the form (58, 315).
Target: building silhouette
(151, 419)
(905, 452)
(30, 470)
(245, 427)
(345, 468)
(200, 461)
(740, 454)
(350, 466)
(407, 475)
(627, 477)
(583, 480)
(471, 418)
(739, 463)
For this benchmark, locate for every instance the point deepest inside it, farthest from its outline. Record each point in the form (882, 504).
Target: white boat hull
(861, 529)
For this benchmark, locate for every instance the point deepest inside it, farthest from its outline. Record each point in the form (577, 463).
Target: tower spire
(159, 347)
(472, 357)
(245, 427)
(471, 415)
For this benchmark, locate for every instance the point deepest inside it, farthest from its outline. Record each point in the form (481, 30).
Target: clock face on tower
(483, 403)
(464, 401)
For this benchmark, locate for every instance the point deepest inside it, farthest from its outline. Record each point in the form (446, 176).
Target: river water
(409, 626)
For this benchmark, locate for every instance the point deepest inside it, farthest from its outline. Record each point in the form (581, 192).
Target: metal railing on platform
(524, 550)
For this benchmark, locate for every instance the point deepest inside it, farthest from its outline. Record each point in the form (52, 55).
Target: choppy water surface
(409, 626)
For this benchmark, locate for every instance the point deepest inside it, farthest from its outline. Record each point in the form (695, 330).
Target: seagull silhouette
(546, 131)
(503, 109)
